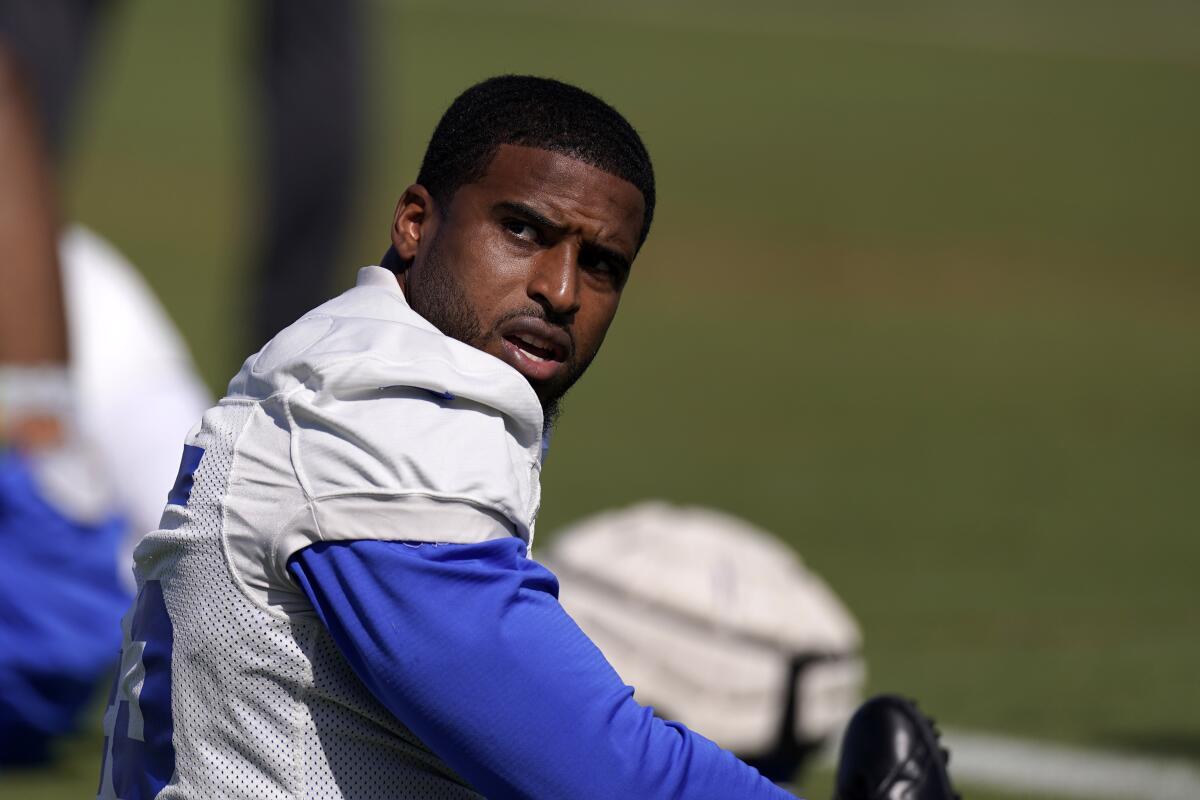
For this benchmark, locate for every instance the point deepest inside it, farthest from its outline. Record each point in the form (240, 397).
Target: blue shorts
(61, 601)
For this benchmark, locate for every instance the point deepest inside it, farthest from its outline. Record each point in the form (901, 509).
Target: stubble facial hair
(440, 298)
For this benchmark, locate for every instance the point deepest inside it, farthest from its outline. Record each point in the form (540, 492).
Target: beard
(440, 297)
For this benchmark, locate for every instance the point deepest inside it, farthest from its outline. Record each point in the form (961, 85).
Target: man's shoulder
(369, 322)
(368, 338)
(358, 422)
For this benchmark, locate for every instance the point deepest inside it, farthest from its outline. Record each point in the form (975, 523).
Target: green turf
(921, 297)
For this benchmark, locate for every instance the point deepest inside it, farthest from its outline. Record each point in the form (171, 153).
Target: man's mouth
(533, 347)
(536, 349)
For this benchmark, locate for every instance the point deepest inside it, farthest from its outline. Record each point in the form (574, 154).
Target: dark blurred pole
(60, 570)
(310, 63)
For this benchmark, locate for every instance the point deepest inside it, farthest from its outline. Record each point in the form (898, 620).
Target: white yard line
(1031, 767)
(1024, 765)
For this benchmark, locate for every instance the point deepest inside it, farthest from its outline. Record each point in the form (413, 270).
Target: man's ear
(415, 215)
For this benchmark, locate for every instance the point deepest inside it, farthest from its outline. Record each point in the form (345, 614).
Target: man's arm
(469, 648)
(32, 326)
(34, 391)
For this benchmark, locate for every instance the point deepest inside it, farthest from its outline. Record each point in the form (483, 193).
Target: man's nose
(554, 279)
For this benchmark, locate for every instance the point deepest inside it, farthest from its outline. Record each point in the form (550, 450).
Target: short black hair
(533, 112)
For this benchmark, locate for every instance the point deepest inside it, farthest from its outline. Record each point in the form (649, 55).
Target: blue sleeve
(468, 646)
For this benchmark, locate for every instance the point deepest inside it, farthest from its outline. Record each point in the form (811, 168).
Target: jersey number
(138, 721)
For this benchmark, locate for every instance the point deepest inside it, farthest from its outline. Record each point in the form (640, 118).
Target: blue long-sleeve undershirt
(468, 646)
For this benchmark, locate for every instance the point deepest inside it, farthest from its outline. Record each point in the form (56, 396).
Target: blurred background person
(96, 387)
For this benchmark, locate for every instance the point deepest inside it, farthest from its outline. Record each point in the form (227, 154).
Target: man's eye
(597, 263)
(522, 230)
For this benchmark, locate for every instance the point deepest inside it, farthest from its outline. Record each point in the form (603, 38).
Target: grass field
(923, 297)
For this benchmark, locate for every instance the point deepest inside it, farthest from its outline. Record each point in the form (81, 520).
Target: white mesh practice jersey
(360, 421)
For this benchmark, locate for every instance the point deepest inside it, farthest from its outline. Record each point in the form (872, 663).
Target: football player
(339, 601)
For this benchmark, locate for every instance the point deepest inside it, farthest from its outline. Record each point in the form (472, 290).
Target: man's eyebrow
(529, 215)
(522, 210)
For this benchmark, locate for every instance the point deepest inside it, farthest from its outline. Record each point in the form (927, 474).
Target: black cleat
(890, 751)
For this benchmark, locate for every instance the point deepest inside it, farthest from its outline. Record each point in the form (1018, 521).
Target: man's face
(526, 264)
